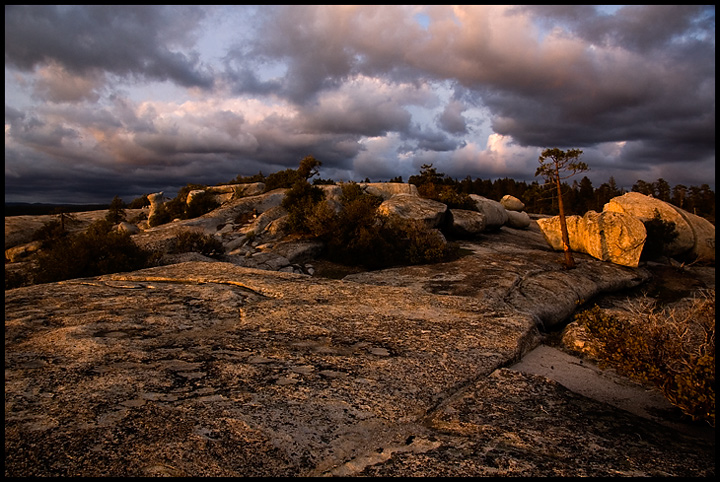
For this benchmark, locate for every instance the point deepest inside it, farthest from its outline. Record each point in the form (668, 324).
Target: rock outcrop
(409, 206)
(608, 236)
(211, 369)
(696, 235)
(517, 219)
(386, 190)
(494, 212)
(464, 223)
(511, 203)
(155, 199)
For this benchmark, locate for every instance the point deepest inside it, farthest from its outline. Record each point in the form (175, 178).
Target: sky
(104, 101)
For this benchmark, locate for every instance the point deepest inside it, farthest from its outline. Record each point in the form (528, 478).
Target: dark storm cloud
(127, 40)
(160, 96)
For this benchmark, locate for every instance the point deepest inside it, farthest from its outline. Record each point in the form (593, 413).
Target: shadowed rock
(494, 212)
(696, 235)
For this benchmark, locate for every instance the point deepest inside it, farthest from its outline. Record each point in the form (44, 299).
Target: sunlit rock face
(696, 235)
(408, 206)
(608, 236)
(511, 203)
(213, 369)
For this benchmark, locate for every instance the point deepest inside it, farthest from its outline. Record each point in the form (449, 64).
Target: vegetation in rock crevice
(672, 348)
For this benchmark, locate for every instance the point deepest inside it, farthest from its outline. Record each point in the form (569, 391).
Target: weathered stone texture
(408, 206)
(608, 236)
(213, 369)
(494, 212)
(511, 203)
(696, 235)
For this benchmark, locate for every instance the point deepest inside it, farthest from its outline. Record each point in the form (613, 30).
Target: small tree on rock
(556, 165)
(116, 211)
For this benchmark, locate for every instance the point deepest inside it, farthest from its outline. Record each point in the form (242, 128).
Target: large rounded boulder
(696, 235)
(608, 236)
(494, 212)
(409, 206)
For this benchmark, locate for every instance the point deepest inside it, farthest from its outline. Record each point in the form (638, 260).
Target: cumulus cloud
(144, 95)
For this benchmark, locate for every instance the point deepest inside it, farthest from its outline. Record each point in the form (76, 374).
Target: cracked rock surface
(212, 369)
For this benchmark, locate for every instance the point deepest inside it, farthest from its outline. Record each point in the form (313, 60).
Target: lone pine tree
(555, 166)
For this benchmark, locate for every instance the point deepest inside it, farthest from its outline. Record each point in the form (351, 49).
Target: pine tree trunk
(569, 261)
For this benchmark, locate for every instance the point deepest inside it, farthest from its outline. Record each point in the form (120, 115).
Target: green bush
(307, 168)
(674, 349)
(300, 201)
(455, 200)
(99, 250)
(281, 179)
(358, 236)
(192, 241)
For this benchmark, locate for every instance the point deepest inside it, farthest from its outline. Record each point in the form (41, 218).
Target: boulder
(518, 219)
(128, 228)
(192, 194)
(16, 253)
(511, 203)
(646, 208)
(386, 190)
(408, 206)
(155, 199)
(608, 236)
(465, 223)
(230, 188)
(704, 234)
(248, 189)
(495, 213)
(333, 193)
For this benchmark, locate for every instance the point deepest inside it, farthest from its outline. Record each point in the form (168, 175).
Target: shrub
(139, 203)
(116, 211)
(99, 250)
(455, 200)
(240, 179)
(162, 215)
(289, 177)
(192, 241)
(281, 179)
(673, 348)
(201, 204)
(49, 231)
(660, 234)
(300, 201)
(358, 236)
(177, 208)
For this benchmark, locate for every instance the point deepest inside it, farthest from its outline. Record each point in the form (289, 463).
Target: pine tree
(561, 165)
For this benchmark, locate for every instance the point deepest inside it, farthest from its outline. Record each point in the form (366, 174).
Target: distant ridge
(39, 209)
